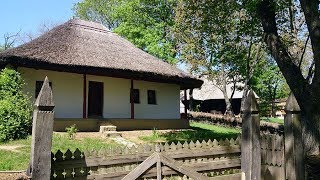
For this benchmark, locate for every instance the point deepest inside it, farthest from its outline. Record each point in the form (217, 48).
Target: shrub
(15, 107)
(72, 130)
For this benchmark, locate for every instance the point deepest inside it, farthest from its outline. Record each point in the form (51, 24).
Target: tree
(224, 47)
(305, 88)
(270, 85)
(15, 107)
(146, 23)
(9, 40)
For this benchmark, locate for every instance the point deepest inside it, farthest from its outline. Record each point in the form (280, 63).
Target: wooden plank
(132, 158)
(250, 141)
(144, 166)
(272, 172)
(191, 173)
(84, 105)
(294, 152)
(206, 166)
(236, 176)
(159, 171)
(42, 130)
(131, 100)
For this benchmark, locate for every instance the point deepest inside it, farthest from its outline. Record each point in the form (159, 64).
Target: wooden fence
(263, 156)
(211, 158)
(272, 156)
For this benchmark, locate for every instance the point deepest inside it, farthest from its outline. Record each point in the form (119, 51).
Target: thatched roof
(86, 47)
(209, 90)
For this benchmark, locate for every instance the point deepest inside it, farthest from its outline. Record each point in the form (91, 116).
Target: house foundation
(94, 125)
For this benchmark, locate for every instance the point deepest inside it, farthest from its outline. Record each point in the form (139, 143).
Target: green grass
(10, 160)
(273, 120)
(198, 131)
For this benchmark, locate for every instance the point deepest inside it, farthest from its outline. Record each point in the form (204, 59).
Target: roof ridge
(90, 28)
(89, 25)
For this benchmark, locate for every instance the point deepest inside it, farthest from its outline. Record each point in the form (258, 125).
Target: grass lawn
(273, 120)
(18, 158)
(198, 131)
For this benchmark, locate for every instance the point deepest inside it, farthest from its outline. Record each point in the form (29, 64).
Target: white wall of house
(68, 95)
(167, 97)
(67, 89)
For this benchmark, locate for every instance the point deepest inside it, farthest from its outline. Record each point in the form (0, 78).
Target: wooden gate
(272, 157)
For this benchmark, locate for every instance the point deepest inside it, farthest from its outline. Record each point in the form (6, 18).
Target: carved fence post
(42, 129)
(250, 140)
(294, 151)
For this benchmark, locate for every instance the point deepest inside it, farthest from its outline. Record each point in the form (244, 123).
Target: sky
(27, 16)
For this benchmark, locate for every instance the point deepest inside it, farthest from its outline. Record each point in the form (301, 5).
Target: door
(95, 99)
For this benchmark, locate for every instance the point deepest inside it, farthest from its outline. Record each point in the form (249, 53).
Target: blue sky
(28, 15)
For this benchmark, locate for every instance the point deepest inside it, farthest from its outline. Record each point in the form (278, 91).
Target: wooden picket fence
(272, 156)
(260, 156)
(211, 158)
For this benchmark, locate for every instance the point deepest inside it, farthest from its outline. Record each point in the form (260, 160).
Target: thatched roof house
(100, 71)
(87, 47)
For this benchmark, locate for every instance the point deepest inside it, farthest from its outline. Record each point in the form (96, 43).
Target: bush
(15, 107)
(72, 130)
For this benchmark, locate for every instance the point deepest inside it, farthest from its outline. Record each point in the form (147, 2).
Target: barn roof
(209, 90)
(87, 47)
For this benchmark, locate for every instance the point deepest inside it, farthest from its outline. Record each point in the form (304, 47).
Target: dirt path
(13, 176)
(13, 148)
(134, 135)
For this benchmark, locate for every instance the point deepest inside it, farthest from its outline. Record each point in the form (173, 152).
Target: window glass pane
(152, 97)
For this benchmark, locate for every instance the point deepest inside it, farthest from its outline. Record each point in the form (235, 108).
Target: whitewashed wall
(67, 89)
(68, 95)
(167, 97)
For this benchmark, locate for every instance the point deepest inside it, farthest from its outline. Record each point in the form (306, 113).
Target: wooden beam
(183, 169)
(143, 167)
(42, 130)
(185, 104)
(84, 110)
(159, 170)
(250, 139)
(132, 100)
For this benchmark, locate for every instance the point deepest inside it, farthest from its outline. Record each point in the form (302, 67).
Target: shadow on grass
(197, 134)
(193, 134)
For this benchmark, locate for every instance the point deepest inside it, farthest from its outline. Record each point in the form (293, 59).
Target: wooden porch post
(84, 110)
(132, 100)
(185, 104)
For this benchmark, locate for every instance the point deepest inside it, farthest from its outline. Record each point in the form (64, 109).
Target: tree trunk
(307, 95)
(250, 71)
(229, 110)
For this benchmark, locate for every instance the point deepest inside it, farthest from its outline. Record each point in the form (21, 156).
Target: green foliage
(20, 157)
(270, 85)
(15, 107)
(146, 23)
(72, 130)
(273, 120)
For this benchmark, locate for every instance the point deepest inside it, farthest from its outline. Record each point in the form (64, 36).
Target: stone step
(108, 134)
(107, 128)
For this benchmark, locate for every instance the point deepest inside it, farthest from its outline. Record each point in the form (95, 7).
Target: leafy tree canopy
(146, 23)
(15, 107)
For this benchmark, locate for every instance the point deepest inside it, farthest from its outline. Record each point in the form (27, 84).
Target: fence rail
(209, 157)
